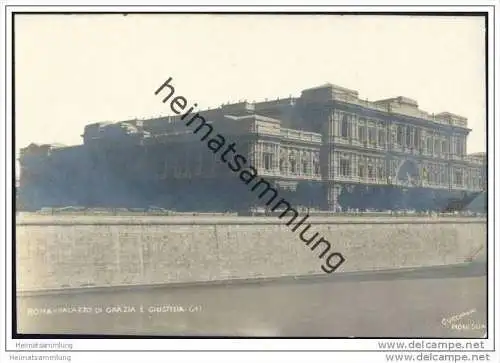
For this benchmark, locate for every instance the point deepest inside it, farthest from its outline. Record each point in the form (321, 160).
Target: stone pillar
(275, 158)
(354, 166)
(254, 154)
(298, 160)
(392, 136)
(333, 197)
(352, 128)
(311, 163)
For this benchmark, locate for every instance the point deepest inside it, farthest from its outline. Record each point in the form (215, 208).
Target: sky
(72, 70)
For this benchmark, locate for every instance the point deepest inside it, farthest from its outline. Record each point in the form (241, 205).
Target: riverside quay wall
(61, 252)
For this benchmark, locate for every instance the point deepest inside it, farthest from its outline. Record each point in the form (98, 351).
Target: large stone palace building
(327, 149)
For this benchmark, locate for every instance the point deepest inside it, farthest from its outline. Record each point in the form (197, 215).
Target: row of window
(363, 171)
(431, 174)
(363, 135)
(441, 177)
(407, 136)
(291, 166)
(434, 175)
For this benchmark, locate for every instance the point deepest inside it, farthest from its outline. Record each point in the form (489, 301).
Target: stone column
(392, 136)
(298, 161)
(333, 197)
(255, 155)
(276, 158)
(403, 136)
(423, 144)
(354, 166)
(352, 128)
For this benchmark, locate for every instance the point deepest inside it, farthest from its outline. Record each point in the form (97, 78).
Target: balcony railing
(301, 135)
(289, 175)
(290, 134)
(358, 143)
(388, 109)
(267, 130)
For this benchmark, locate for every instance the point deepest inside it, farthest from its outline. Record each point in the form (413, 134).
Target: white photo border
(246, 344)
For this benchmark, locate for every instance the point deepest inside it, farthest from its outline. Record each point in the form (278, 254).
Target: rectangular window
(381, 137)
(345, 167)
(445, 147)
(316, 167)
(372, 136)
(416, 138)
(305, 167)
(380, 172)
(425, 174)
(344, 127)
(361, 171)
(268, 161)
(370, 172)
(362, 133)
(399, 138)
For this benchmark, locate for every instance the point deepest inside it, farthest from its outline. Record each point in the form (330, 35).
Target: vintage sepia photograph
(244, 175)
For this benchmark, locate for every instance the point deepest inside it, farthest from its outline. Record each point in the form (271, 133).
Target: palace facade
(327, 149)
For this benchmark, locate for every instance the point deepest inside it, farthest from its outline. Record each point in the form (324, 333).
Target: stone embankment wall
(70, 252)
